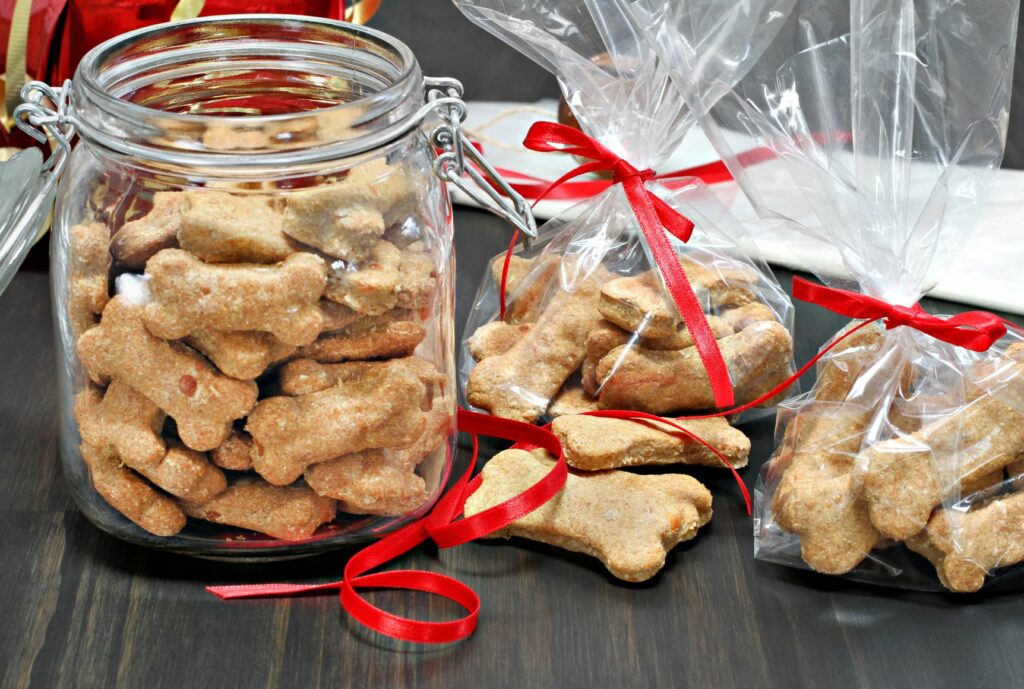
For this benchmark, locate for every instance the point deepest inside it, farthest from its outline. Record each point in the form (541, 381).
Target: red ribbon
(973, 330)
(534, 188)
(654, 216)
(439, 526)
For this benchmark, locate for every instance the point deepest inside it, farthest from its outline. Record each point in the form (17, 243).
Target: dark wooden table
(81, 609)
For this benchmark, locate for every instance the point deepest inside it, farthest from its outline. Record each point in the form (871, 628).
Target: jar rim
(105, 116)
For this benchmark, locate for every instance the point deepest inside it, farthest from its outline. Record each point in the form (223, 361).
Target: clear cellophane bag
(586, 321)
(877, 136)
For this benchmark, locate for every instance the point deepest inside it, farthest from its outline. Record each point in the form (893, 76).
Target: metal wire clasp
(44, 113)
(488, 188)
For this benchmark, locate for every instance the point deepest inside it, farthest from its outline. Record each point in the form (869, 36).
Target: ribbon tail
(234, 591)
(682, 293)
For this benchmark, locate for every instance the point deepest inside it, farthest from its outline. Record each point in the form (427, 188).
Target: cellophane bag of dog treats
(587, 321)
(879, 133)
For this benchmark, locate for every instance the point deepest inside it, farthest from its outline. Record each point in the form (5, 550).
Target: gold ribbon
(359, 12)
(17, 53)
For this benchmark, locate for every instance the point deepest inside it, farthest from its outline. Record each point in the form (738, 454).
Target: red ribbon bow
(974, 330)
(654, 216)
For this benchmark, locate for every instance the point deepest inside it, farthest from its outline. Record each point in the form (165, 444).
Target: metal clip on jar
(253, 276)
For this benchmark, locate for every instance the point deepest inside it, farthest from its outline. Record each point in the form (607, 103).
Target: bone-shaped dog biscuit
(626, 520)
(377, 339)
(379, 409)
(817, 496)
(88, 274)
(126, 423)
(290, 513)
(369, 285)
(226, 228)
(520, 383)
(369, 482)
(665, 381)
(592, 443)
(571, 399)
(189, 296)
(202, 402)
(243, 355)
(903, 484)
(235, 453)
(607, 336)
(528, 282)
(305, 376)
(124, 420)
(742, 316)
(139, 240)
(130, 495)
(496, 337)
(417, 279)
(335, 218)
(966, 546)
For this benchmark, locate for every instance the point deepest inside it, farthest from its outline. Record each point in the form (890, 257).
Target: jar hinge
(478, 179)
(37, 117)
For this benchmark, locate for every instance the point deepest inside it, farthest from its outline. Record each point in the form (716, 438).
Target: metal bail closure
(27, 183)
(478, 180)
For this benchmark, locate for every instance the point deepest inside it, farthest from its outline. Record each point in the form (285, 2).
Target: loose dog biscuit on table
(130, 495)
(626, 520)
(183, 384)
(592, 443)
(240, 354)
(88, 275)
(520, 383)
(496, 337)
(660, 382)
(290, 513)
(966, 546)
(218, 227)
(393, 335)
(139, 240)
(378, 409)
(189, 296)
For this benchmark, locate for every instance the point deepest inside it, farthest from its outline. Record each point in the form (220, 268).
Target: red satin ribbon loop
(655, 218)
(440, 526)
(973, 330)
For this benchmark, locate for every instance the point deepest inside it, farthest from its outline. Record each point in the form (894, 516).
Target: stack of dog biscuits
(629, 521)
(618, 342)
(250, 360)
(942, 479)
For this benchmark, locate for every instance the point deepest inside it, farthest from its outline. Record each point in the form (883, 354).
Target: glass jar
(253, 275)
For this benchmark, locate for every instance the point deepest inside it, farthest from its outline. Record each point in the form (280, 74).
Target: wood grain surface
(81, 609)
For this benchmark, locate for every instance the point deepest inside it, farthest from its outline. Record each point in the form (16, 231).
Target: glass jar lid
(26, 195)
